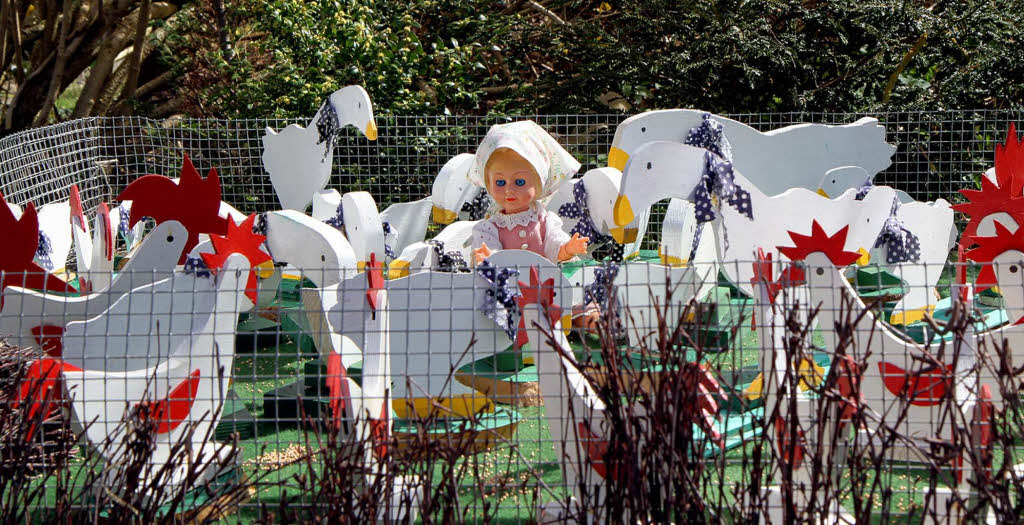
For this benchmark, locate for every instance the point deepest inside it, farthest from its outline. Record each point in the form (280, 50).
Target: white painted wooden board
(321, 252)
(55, 223)
(363, 228)
(790, 157)
(409, 221)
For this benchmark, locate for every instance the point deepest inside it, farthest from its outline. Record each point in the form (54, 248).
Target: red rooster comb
(537, 292)
(1004, 195)
(374, 281)
(819, 241)
(991, 247)
(77, 213)
(239, 239)
(193, 201)
(19, 239)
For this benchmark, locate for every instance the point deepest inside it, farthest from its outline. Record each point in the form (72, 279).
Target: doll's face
(511, 181)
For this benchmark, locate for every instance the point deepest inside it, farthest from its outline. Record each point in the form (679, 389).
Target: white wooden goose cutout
(407, 221)
(661, 170)
(298, 162)
(790, 157)
(421, 256)
(602, 187)
(320, 252)
(452, 188)
(35, 319)
(55, 224)
(183, 378)
(932, 223)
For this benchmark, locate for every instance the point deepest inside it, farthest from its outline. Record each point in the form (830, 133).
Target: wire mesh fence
(682, 394)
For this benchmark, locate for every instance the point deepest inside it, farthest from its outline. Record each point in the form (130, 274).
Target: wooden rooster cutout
(194, 202)
(999, 200)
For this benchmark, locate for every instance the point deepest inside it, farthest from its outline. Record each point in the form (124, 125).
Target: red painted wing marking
(171, 411)
(49, 338)
(924, 389)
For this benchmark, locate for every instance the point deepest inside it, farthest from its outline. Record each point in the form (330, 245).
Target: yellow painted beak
(624, 235)
(398, 269)
(566, 323)
(371, 130)
(617, 158)
(865, 257)
(360, 265)
(443, 216)
(623, 212)
(821, 191)
(265, 269)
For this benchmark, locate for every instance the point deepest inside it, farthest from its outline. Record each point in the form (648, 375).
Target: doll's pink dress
(534, 229)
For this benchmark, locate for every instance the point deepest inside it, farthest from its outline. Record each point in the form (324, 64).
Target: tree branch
(58, 69)
(132, 81)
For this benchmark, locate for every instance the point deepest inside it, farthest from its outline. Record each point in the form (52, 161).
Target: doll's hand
(482, 253)
(573, 247)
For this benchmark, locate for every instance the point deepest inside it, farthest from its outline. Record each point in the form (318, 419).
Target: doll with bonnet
(521, 166)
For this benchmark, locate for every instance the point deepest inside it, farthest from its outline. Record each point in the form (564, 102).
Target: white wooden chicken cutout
(185, 381)
(452, 188)
(299, 159)
(742, 217)
(790, 157)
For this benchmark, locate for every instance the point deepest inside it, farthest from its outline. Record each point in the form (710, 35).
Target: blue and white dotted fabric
(903, 245)
(500, 299)
(327, 127)
(195, 265)
(585, 226)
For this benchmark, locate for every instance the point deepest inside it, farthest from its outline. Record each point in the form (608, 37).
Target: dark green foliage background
(473, 56)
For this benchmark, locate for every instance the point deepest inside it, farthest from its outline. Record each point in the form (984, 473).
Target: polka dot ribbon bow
(718, 176)
(903, 245)
(328, 126)
(585, 225)
(500, 300)
(448, 261)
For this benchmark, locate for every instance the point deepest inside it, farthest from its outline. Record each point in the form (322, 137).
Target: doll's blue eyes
(499, 183)
(520, 182)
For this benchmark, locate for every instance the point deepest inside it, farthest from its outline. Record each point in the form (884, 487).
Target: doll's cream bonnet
(553, 164)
